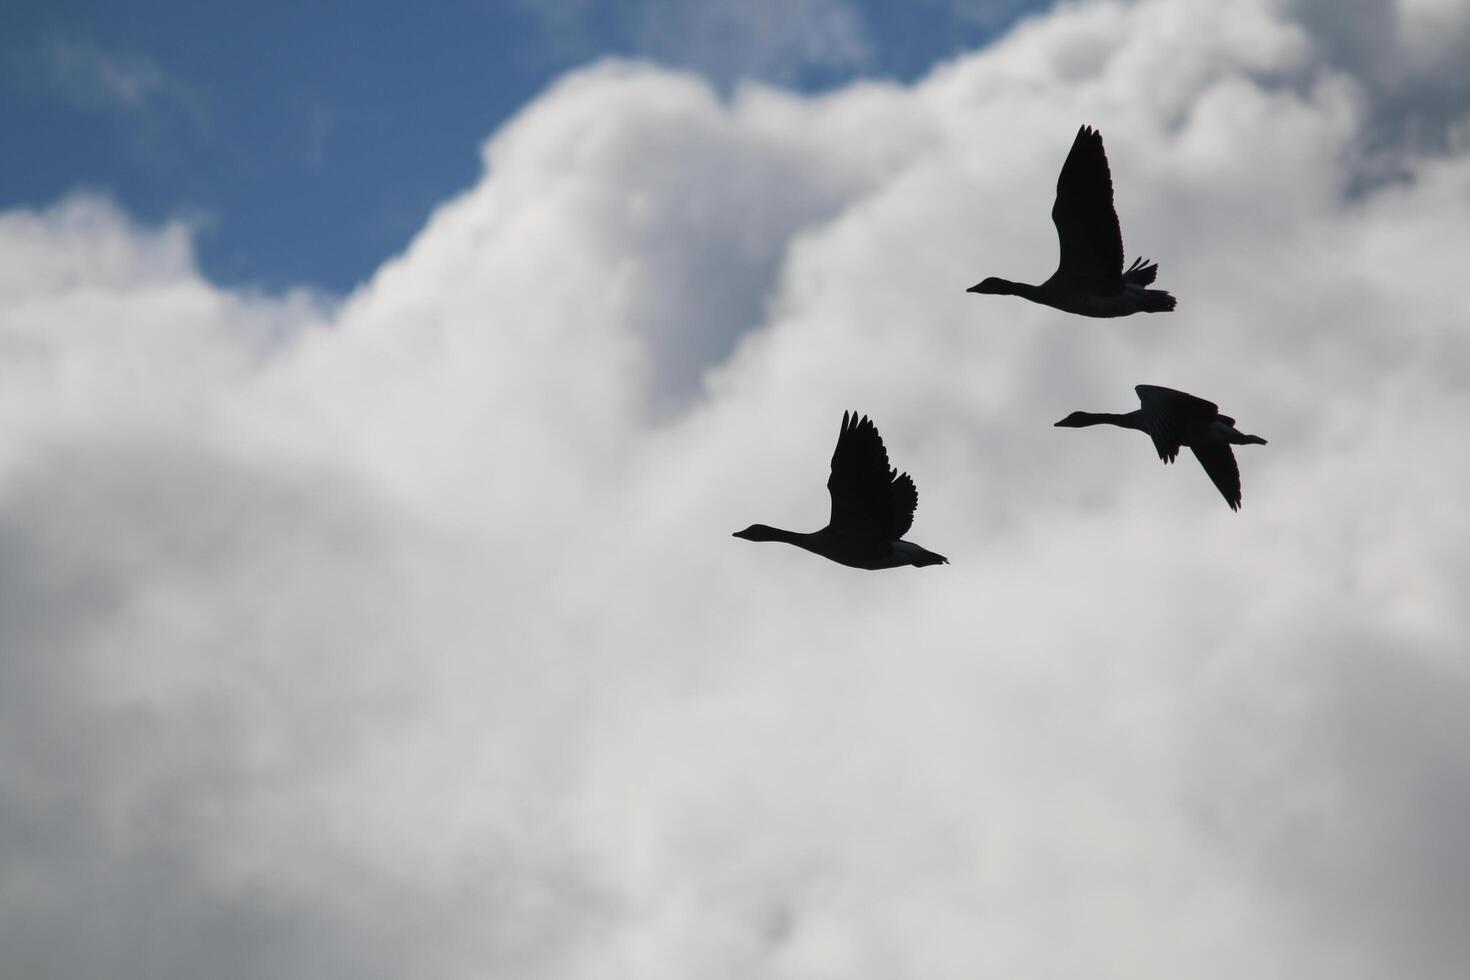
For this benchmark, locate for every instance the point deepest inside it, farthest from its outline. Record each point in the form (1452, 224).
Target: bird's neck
(1128, 420)
(798, 538)
(1025, 290)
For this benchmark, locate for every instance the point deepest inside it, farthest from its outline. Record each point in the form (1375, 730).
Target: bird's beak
(974, 289)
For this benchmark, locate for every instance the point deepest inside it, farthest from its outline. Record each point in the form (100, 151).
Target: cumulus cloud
(1408, 55)
(404, 635)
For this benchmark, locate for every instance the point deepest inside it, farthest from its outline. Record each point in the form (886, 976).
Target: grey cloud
(174, 699)
(1409, 58)
(118, 783)
(1345, 794)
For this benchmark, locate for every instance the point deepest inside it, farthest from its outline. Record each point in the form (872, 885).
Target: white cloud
(91, 77)
(406, 636)
(151, 106)
(988, 13)
(725, 40)
(88, 76)
(768, 39)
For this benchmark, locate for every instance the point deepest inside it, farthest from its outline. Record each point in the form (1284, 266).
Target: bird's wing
(1087, 225)
(1170, 416)
(1142, 272)
(1219, 463)
(905, 499)
(868, 497)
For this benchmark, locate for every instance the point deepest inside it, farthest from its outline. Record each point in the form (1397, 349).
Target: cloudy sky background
(397, 630)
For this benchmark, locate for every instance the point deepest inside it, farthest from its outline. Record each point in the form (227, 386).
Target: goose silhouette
(1090, 278)
(872, 507)
(1174, 419)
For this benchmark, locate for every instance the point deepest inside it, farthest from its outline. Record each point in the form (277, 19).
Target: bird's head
(994, 286)
(1076, 420)
(757, 532)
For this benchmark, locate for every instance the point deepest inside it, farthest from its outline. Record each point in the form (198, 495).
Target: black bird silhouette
(872, 507)
(1173, 419)
(1090, 278)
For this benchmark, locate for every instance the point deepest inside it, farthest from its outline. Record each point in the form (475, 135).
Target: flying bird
(1173, 419)
(872, 507)
(1090, 278)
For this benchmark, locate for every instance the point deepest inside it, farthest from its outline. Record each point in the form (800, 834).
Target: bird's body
(1090, 279)
(1174, 419)
(872, 508)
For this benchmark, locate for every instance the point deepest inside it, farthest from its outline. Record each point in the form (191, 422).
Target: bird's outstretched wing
(1169, 416)
(869, 498)
(1087, 226)
(1219, 463)
(905, 499)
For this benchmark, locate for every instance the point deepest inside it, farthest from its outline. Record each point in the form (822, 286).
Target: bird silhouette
(872, 507)
(1090, 278)
(1174, 419)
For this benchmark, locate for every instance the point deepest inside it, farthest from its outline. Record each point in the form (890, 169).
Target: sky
(377, 615)
(308, 143)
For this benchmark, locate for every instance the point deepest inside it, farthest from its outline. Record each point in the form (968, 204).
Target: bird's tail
(916, 555)
(1246, 440)
(1140, 274)
(1157, 301)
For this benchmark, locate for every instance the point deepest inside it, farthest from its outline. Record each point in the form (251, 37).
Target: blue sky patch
(309, 142)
